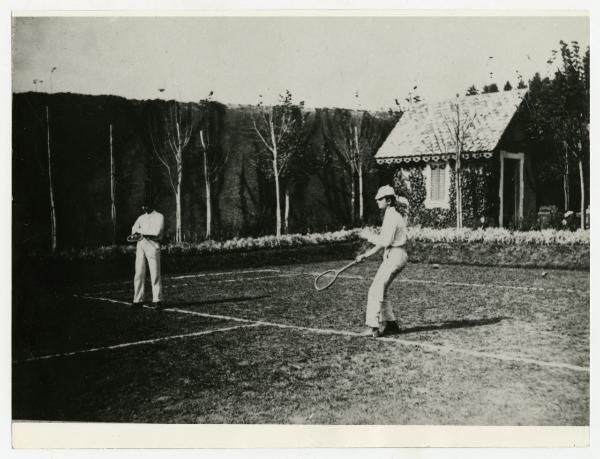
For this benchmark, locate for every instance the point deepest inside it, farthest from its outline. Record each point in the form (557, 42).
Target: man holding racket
(391, 240)
(148, 229)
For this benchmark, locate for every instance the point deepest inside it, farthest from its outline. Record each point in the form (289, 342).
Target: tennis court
(478, 346)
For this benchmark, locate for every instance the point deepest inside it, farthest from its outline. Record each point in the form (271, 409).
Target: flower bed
(491, 247)
(499, 236)
(554, 256)
(210, 246)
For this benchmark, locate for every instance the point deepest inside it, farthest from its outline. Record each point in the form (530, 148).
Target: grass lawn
(479, 346)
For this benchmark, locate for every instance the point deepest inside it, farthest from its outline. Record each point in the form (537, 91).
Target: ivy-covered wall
(479, 194)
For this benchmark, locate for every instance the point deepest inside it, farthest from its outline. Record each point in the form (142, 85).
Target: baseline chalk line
(403, 342)
(166, 287)
(189, 276)
(226, 273)
(134, 343)
(464, 284)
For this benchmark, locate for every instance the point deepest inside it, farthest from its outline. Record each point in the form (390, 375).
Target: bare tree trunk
(287, 209)
(51, 185)
(566, 181)
(360, 193)
(278, 201)
(461, 201)
(352, 198)
(276, 176)
(179, 157)
(582, 188)
(178, 208)
(458, 185)
(207, 188)
(360, 177)
(113, 209)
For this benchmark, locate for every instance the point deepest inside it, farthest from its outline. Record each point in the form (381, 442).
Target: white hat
(385, 191)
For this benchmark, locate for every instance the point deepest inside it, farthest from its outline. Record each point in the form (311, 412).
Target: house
(497, 179)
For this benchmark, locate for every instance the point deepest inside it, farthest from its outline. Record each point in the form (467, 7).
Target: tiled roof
(423, 129)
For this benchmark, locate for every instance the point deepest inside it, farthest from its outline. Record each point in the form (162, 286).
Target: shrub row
(498, 236)
(555, 256)
(495, 247)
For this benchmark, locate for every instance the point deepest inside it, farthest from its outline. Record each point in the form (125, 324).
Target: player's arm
(384, 240)
(136, 229)
(373, 250)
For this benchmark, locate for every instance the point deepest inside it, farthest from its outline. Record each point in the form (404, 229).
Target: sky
(354, 62)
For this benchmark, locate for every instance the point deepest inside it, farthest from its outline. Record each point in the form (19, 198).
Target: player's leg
(376, 293)
(153, 254)
(397, 260)
(393, 261)
(140, 275)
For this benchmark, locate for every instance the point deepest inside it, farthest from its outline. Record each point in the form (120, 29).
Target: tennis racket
(134, 237)
(327, 278)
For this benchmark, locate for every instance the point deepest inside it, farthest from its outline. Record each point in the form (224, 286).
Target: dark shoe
(390, 328)
(159, 306)
(369, 331)
(135, 305)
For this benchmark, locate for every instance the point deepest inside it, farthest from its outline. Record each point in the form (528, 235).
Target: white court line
(212, 282)
(420, 344)
(225, 273)
(135, 343)
(465, 284)
(290, 274)
(343, 276)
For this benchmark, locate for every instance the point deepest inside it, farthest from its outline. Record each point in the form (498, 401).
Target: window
(438, 180)
(438, 183)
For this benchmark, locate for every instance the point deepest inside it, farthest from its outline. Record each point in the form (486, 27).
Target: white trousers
(150, 251)
(378, 308)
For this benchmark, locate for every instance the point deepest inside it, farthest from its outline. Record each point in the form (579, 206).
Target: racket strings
(324, 280)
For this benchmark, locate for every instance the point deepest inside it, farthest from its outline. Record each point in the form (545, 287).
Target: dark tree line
(558, 114)
(559, 107)
(203, 162)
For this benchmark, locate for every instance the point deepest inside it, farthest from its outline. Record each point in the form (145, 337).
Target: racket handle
(347, 266)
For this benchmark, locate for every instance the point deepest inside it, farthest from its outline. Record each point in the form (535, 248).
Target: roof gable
(423, 131)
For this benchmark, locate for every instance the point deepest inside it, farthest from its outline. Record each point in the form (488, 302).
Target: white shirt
(393, 230)
(151, 224)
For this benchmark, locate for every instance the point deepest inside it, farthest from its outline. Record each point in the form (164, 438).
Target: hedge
(433, 235)
(491, 247)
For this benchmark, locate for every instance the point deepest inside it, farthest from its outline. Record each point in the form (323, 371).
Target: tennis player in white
(391, 239)
(150, 225)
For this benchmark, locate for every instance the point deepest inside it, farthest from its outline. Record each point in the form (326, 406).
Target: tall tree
(53, 231)
(274, 126)
(487, 89)
(561, 109)
(113, 209)
(51, 184)
(373, 133)
(507, 86)
(472, 91)
(214, 159)
(538, 100)
(451, 137)
(301, 163)
(343, 132)
(170, 132)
